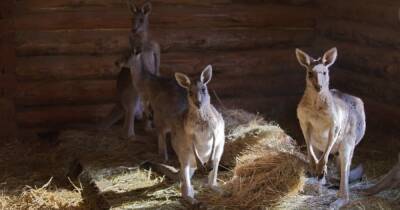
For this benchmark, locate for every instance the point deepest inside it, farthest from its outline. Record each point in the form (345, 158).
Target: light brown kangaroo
(390, 180)
(165, 97)
(331, 121)
(129, 103)
(199, 134)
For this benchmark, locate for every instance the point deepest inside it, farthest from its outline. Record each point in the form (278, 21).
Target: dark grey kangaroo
(129, 104)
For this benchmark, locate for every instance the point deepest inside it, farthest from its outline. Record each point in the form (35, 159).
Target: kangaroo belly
(320, 136)
(203, 144)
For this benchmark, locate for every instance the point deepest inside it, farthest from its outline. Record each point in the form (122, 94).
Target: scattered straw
(42, 198)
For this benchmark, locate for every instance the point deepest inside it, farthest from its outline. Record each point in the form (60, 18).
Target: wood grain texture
(98, 41)
(269, 15)
(61, 115)
(271, 62)
(44, 4)
(77, 92)
(373, 12)
(65, 92)
(360, 33)
(372, 61)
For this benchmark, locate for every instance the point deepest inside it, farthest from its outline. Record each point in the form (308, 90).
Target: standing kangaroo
(390, 180)
(129, 103)
(165, 97)
(331, 121)
(199, 135)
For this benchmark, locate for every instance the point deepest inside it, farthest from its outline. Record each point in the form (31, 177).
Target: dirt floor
(33, 175)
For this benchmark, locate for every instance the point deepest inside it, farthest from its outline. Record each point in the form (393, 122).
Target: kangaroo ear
(206, 75)
(303, 58)
(329, 57)
(182, 80)
(132, 7)
(146, 8)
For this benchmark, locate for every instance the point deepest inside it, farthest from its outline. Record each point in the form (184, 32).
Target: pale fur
(198, 135)
(129, 104)
(331, 121)
(390, 180)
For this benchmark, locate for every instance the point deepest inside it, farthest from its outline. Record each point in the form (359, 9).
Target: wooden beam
(373, 12)
(361, 33)
(376, 62)
(100, 41)
(49, 116)
(65, 92)
(190, 16)
(272, 62)
(44, 4)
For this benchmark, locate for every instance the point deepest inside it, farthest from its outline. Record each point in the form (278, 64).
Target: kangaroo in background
(129, 103)
(165, 97)
(199, 134)
(390, 180)
(331, 121)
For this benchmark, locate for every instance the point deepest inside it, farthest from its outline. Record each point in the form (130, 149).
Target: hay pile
(245, 131)
(45, 197)
(266, 164)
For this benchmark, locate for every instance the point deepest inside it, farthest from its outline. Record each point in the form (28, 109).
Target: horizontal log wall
(66, 50)
(367, 35)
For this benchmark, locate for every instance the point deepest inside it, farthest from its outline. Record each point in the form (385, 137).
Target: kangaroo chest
(322, 122)
(202, 129)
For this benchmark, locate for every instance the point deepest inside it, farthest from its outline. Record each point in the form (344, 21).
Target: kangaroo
(199, 134)
(129, 103)
(165, 97)
(390, 180)
(331, 121)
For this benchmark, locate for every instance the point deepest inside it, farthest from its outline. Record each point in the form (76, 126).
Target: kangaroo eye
(324, 73)
(310, 74)
(203, 90)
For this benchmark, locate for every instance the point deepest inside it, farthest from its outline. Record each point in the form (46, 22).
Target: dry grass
(266, 171)
(245, 131)
(45, 197)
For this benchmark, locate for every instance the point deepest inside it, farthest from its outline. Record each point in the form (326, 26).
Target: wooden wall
(66, 48)
(367, 34)
(7, 72)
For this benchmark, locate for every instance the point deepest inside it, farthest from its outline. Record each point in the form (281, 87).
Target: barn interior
(57, 71)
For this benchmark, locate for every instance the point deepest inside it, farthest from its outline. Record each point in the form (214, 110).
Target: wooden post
(8, 128)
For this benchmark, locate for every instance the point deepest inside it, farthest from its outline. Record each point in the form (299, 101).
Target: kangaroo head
(197, 92)
(317, 69)
(140, 16)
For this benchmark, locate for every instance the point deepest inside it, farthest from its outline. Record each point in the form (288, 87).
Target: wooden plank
(377, 62)
(364, 86)
(361, 33)
(100, 41)
(98, 91)
(7, 119)
(65, 92)
(278, 61)
(60, 115)
(44, 4)
(56, 116)
(373, 12)
(41, 4)
(202, 17)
